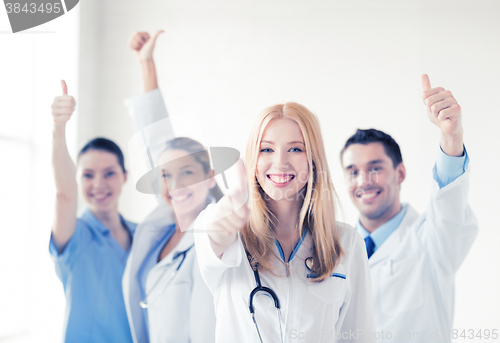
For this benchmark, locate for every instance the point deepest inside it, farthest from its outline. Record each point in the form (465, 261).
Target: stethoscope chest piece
(309, 263)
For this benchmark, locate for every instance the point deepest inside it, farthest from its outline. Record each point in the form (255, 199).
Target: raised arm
(143, 46)
(229, 216)
(450, 227)
(147, 110)
(64, 171)
(216, 231)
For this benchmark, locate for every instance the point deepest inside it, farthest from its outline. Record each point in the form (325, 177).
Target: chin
(374, 213)
(99, 208)
(278, 195)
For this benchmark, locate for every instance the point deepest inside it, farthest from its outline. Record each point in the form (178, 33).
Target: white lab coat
(184, 311)
(413, 271)
(310, 311)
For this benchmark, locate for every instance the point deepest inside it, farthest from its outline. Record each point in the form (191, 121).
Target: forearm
(453, 145)
(149, 77)
(220, 244)
(64, 169)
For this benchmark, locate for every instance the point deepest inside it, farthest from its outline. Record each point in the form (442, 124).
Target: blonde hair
(318, 209)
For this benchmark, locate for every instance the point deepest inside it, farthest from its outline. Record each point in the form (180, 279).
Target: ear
(125, 175)
(401, 172)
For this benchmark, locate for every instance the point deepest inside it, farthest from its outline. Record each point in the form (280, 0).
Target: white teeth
(100, 196)
(280, 179)
(179, 198)
(367, 196)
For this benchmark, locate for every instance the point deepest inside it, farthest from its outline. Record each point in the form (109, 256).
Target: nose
(98, 181)
(173, 183)
(359, 180)
(281, 160)
(363, 179)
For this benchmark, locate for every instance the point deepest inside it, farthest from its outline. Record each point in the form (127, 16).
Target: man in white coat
(413, 258)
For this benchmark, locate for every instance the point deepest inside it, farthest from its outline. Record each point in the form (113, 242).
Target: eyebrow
(376, 162)
(352, 166)
(184, 167)
(105, 169)
(293, 142)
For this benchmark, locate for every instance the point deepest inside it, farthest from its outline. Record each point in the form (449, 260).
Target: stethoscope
(271, 293)
(144, 303)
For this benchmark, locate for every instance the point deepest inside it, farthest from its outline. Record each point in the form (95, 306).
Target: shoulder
(131, 225)
(347, 234)
(352, 243)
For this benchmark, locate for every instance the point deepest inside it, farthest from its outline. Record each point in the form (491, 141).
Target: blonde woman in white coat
(287, 240)
(165, 296)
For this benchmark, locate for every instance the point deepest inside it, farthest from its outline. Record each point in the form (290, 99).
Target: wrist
(452, 145)
(221, 243)
(147, 62)
(59, 128)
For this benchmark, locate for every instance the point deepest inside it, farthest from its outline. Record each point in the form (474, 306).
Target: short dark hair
(104, 144)
(375, 136)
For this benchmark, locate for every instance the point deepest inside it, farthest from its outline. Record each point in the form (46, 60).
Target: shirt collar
(295, 249)
(96, 224)
(383, 232)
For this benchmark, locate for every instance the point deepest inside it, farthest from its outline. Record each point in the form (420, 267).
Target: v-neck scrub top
(90, 268)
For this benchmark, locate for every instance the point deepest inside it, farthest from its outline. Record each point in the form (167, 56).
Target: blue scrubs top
(91, 267)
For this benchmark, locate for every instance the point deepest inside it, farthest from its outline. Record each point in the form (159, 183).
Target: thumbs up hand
(444, 111)
(229, 216)
(63, 106)
(143, 45)
(442, 108)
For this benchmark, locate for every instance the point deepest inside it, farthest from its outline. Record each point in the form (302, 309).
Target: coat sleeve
(449, 226)
(211, 267)
(356, 319)
(153, 129)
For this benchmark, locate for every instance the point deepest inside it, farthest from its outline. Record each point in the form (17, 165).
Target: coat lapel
(393, 241)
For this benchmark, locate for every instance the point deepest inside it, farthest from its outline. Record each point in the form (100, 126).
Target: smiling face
(100, 180)
(373, 182)
(185, 183)
(282, 167)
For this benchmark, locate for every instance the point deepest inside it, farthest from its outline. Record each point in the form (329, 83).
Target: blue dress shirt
(446, 170)
(91, 267)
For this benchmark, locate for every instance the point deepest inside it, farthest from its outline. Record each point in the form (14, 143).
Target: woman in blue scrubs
(90, 252)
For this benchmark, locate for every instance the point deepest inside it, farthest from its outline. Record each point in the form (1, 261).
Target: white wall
(32, 63)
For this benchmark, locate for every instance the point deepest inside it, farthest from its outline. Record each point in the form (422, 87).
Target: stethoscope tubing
(271, 293)
(144, 303)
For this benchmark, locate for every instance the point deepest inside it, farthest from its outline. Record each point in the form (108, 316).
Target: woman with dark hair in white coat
(165, 296)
